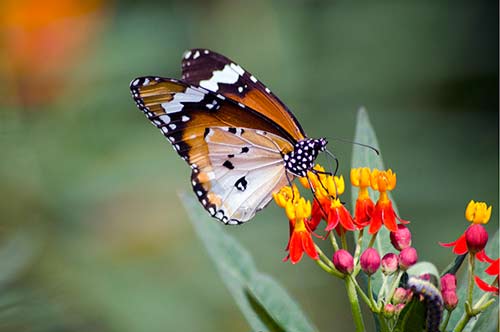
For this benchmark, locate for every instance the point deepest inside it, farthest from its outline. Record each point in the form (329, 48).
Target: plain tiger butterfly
(241, 142)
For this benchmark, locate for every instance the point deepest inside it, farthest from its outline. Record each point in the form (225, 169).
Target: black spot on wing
(228, 164)
(245, 149)
(241, 184)
(232, 130)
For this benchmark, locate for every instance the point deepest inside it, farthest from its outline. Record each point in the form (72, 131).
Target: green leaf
(364, 157)
(264, 303)
(412, 318)
(488, 320)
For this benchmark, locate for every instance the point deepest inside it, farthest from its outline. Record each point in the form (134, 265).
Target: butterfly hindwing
(246, 167)
(219, 74)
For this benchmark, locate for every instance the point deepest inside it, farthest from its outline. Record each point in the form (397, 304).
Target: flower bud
(448, 291)
(399, 307)
(389, 310)
(401, 239)
(476, 238)
(389, 263)
(343, 261)
(407, 258)
(400, 295)
(370, 261)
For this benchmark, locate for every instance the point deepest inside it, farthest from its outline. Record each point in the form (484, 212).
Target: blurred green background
(93, 236)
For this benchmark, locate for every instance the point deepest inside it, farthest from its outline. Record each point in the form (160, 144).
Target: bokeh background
(93, 236)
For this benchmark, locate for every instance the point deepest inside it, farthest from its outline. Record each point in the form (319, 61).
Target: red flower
(361, 177)
(300, 242)
(383, 213)
(492, 270)
(459, 245)
(338, 214)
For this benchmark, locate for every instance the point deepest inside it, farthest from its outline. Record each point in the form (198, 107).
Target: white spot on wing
(237, 69)
(253, 79)
(190, 95)
(196, 55)
(187, 55)
(228, 75)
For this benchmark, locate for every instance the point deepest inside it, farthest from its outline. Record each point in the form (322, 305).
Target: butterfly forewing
(234, 170)
(219, 74)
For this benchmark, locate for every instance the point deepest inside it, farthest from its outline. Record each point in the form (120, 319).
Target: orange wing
(219, 74)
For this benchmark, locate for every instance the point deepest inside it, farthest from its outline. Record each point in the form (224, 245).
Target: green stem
(394, 285)
(468, 314)
(372, 240)
(365, 298)
(373, 305)
(359, 242)
(382, 290)
(328, 263)
(334, 241)
(446, 321)
(355, 308)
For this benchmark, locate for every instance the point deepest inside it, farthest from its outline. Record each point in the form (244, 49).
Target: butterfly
(241, 142)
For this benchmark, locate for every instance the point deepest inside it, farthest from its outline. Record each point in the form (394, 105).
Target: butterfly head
(302, 158)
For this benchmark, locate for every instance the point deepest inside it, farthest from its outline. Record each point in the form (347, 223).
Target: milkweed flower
(492, 270)
(389, 263)
(361, 177)
(343, 261)
(448, 291)
(298, 210)
(369, 261)
(327, 205)
(407, 258)
(477, 213)
(383, 213)
(401, 239)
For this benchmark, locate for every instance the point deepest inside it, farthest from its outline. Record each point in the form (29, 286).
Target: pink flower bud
(476, 238)
(370, 261)
(448, 282)
(389, 263)
(407, 258)
(401, 238)
(448, 291)
(400, 295)
(343, 261)
(389, 310)
(399, 307)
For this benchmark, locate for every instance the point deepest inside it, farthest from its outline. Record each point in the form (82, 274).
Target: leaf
(488, 320)
(264, 303)
(412, 318)
(364, 157)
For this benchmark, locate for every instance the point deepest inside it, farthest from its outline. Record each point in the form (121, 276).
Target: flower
(478, 212)
(401, 238)
(298, 210)
(327, 205)
(343, 261)
(401, 295)
(389, 263)
(407, 257)
(476, 238)
(448, 291)
(389, 310)
(361, 177)
(492, 270)
(369, 261)
(383, 213)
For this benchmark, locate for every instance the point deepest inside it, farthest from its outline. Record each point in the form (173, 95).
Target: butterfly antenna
(335, 159)
(291, 186)
(356, 143)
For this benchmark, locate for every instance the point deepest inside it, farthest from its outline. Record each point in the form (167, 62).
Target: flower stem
(469, 311)
(327, 264)
(373, 305)
(372, 240)
(357, 251)
(470, 286)
(394, 285)
(355, 308)
(381, 291)
(365, 298)
(343, 239)
(334, 241)
(446, 320)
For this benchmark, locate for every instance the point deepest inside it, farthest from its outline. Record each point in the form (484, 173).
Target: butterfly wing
(188, 117)
(219, 74)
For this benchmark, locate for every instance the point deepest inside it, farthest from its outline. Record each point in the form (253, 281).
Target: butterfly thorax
(302, 158)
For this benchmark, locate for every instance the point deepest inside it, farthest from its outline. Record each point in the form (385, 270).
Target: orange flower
(298, 210)
(383, 213)
(361, 177)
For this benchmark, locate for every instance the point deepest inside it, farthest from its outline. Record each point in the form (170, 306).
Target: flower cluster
(305, 219)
